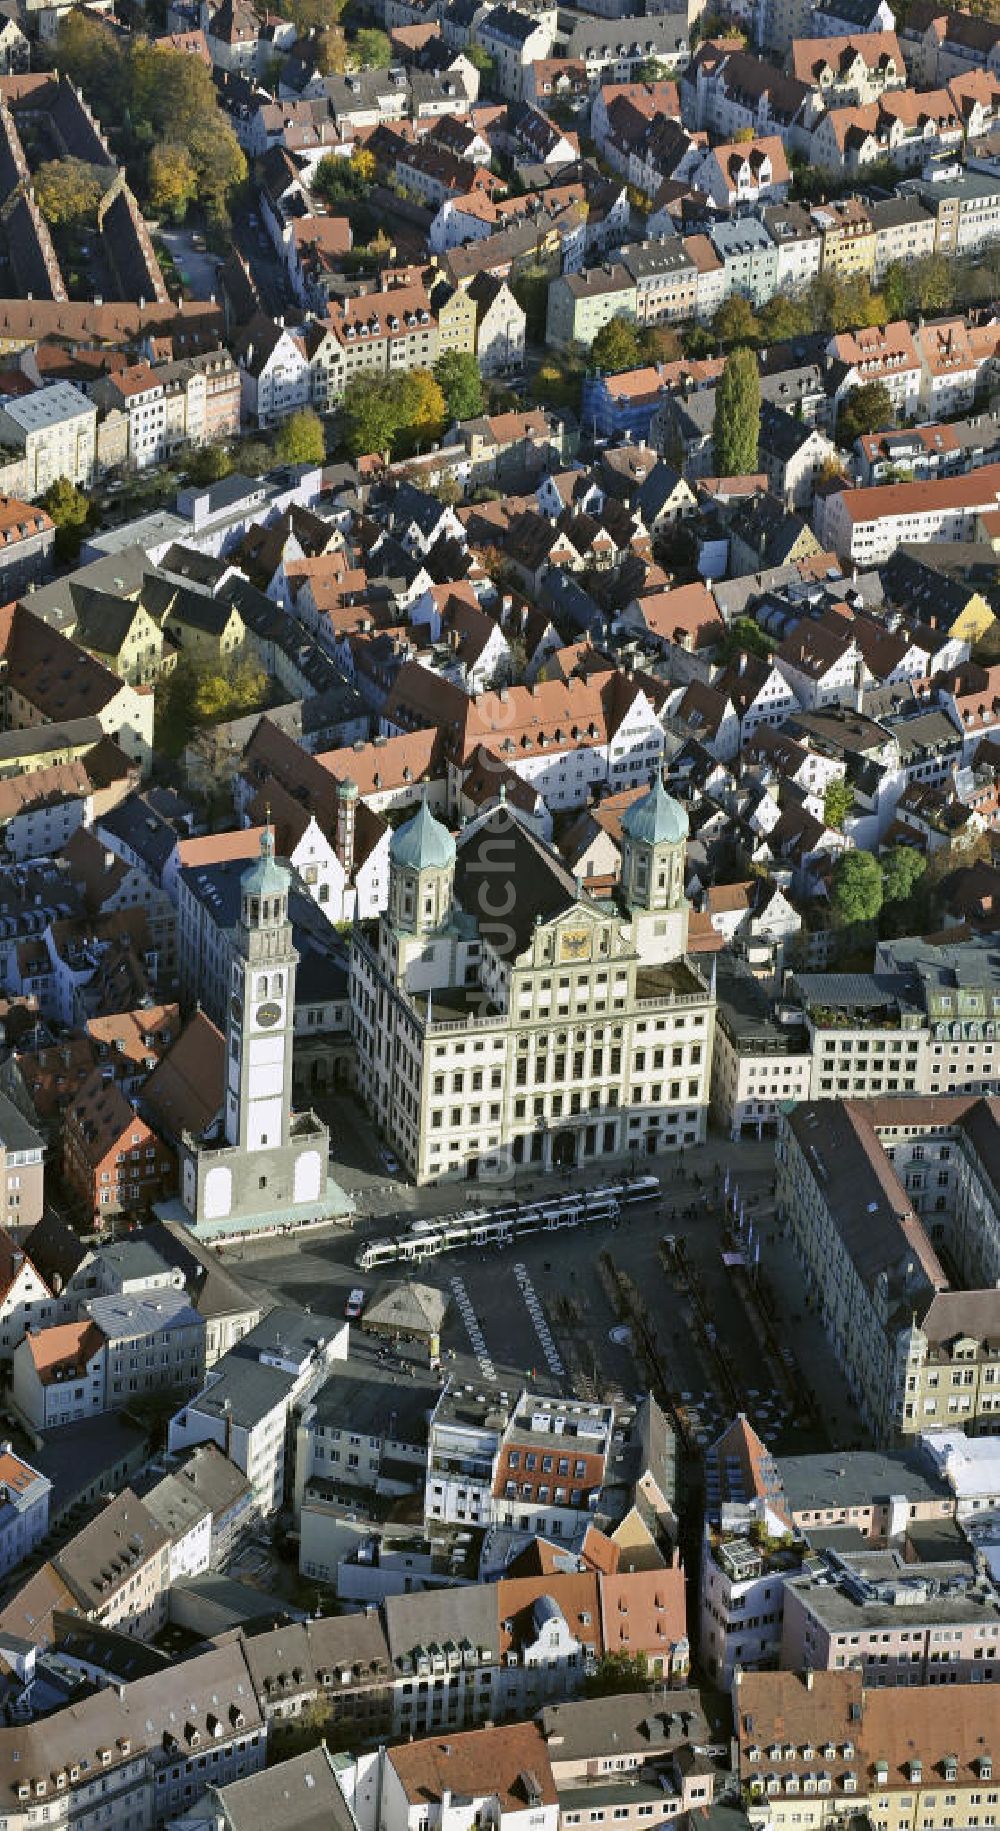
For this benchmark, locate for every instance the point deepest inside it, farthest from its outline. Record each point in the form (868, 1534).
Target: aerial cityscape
(499, 915)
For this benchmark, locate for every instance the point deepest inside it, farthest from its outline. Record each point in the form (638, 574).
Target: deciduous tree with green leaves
(868, 408)
(856, 888)
(616, 346)
(735, 322)
(902, 868)
(736, 430)
(457, 375)
(394, 413)
(838, 800)
(370, 50)
(69, 509)
(300, 439)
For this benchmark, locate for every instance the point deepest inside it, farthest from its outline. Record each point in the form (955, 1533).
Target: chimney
(345, 797)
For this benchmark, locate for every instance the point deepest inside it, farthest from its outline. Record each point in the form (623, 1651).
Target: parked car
(354, 1305)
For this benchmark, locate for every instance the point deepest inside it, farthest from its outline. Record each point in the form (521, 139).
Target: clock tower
(261, 1009)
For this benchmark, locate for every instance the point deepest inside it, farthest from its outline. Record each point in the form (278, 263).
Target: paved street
(541, 1310)
(200, 269)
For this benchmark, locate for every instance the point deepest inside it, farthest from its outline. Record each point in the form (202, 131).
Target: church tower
(261, 1009)
(654, 848)
(421, 875)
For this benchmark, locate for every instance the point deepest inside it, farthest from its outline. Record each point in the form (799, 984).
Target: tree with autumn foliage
(171, 180)
(68, 191)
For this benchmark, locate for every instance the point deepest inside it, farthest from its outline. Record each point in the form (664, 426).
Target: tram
(480, 1228)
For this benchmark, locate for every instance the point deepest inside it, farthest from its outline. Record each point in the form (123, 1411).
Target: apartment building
(965, 206)
(749, 257)
(55, 430)
(514, 40)
(112, 1160)
(499, 1775)
(165, 406)
(758, 1063)
(617, 1749)
(117, 1567)
(950, 363)
(537, 1466)
(24, 1508)
(799, 244)
(666, 281)
(122, 1347)
(884, 353)
(867, 525)
(58, 1375)
(22, 1196)
(247, 1401)
(501, 1650)
(850, 69)
(206, 1506)
(774, 1522)
(902, 1621)
(904, 231)
(917, 1352)
(461, 1056)
(817, 1747)
(581, 304)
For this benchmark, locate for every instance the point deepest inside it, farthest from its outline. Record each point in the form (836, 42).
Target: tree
(837, 803)
(423, 411)
(69, 509)
(531, 290)
(856, 888)
(616, 346)
(220, 163)
(618, 1672)
(658, 343)
(315, 15)
(371, 50)
(896, 290)
(932, 284)
(736, 432)
(557, 385)
(868, 408)
(169, 93)
(698, 342)
(902, 868)
(89, 53)
(457, 374)
(651, 70)
(338, 179)
(369, 415)
(743, 637)
(69, 190)
(481, 61)
(783, 317)
(734, 322)
(171, 180)
(743, 136)
(228, 692)
(300, 439)
(209, 464)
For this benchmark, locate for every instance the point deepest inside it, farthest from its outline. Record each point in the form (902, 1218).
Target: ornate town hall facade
(502, 1017)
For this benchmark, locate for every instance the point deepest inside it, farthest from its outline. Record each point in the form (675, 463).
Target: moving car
(354, 1305)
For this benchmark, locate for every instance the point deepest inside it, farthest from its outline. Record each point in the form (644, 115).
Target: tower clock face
(268, 1015)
